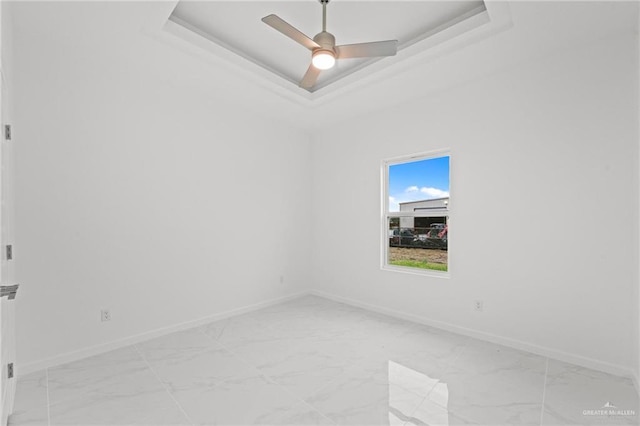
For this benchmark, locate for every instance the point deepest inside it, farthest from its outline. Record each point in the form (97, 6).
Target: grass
(419, 264)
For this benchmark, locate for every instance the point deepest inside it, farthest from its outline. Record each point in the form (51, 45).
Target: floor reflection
(407, 385)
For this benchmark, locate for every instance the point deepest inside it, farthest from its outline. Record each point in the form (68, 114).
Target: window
(415, 223)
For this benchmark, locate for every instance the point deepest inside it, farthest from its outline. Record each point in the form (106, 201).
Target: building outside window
(415, 225)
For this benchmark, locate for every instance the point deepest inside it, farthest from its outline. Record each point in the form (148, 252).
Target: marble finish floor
(311, 361)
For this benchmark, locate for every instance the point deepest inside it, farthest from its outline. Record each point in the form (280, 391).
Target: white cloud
(415, 193)
(434, 192)
(394, 205)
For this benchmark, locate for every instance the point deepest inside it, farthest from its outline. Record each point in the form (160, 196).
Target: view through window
(417, 212)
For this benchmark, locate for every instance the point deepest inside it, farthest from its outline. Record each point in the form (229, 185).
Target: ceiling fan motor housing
(325, 40)
(323, 47)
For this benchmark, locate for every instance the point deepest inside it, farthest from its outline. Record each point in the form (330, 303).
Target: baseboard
(7, 401)
(516, 344)
(120, 343)
(505, 341)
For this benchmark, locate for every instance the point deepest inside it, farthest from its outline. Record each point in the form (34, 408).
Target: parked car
(401, 237)
(434, 238)
(436, 229)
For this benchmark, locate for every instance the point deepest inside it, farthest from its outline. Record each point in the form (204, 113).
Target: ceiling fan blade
(310, 77)
(367, 50)
(285, 28)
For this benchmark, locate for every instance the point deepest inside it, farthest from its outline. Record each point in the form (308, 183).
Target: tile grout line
(236, 356)
(450, 364)
(354, 365)
(449, 367)
(319, 412)
(413, 412)
(48, 399)
(248, 364)
(445, 370)
(544, 389)
(270, 379)
(166, 389)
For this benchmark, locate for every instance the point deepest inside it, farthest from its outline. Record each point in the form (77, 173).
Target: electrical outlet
(105, 315)
(479, 305)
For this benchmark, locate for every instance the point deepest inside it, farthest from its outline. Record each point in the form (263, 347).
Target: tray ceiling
(237, 27)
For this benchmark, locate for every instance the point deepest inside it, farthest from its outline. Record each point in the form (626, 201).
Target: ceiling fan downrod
(324, 14)
(324, 51)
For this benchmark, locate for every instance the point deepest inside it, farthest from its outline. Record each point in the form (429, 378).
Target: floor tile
(272, 346)
(301, 414)
(354, 346)
(31, 392)
(411, 379)
(576, 395)
(238, 401)
(303, 372)
(439, 343)
(231, 331)
(359, 398)
(149, 408)
(491, 384)
(427, 350)
(175, 346)
(312, 361)
(35, 417)
(109, 370)
(290, 313)
(201, 370)
(379, 326)
(432, 414)
(170, 415)
(117, 387)
(305, 326)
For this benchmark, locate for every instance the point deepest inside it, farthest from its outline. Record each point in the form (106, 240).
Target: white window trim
(385, 214)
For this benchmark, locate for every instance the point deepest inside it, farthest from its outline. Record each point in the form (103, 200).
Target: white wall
(125, 199)
(637, 280)
(8, 347)
(127, 189)
(555, 140)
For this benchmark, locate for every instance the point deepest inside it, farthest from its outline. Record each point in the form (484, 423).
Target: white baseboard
(117, 344)
(516, 344)
(7, 401)
(505, 341)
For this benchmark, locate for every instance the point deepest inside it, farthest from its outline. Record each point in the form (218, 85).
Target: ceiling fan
(324, 51)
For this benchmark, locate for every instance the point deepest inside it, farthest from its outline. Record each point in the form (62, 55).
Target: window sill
(417, 271)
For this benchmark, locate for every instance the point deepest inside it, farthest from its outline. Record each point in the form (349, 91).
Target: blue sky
(418, 180)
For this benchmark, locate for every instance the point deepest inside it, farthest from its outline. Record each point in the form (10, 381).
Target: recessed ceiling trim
(227, 46)
(414, 49)
(462, 24)
(471, 27)
(477, 11)
(213, 53)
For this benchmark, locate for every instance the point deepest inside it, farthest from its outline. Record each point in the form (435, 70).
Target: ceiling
(232, 31)
(237, 26)
(138, 44)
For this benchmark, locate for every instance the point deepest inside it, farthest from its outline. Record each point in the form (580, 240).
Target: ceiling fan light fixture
(324, 51)
(323, 59)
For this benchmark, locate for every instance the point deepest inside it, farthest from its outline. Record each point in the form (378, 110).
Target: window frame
(386, 215)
